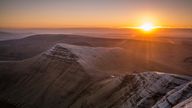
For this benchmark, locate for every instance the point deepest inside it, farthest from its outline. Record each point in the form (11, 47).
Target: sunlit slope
(173, 54)
(98, 59)
(102, 59)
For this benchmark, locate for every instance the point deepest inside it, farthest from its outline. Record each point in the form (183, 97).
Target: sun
(148, 26)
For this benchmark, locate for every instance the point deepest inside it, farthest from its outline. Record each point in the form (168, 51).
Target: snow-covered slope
(96, 59)
(68, 76)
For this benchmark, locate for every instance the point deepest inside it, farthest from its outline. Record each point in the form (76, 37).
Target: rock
(175, 96)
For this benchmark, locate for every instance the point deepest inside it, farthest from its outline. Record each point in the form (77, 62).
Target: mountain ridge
(58, 78)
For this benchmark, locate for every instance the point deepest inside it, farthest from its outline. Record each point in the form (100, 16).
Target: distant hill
(10, 35)
(30, 46)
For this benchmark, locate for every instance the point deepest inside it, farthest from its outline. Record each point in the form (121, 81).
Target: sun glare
(147, 26)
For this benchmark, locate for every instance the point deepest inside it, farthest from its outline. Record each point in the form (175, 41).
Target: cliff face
(68, 76)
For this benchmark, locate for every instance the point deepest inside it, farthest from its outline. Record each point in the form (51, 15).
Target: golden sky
(94, 13)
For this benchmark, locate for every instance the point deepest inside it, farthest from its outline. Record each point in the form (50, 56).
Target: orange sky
(94, 13)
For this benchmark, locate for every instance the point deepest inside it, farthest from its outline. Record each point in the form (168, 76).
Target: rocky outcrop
(175, 96)
(68, 76)
(61, 53)
(132, 91)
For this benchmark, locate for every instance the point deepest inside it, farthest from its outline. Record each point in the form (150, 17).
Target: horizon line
(92, 27)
